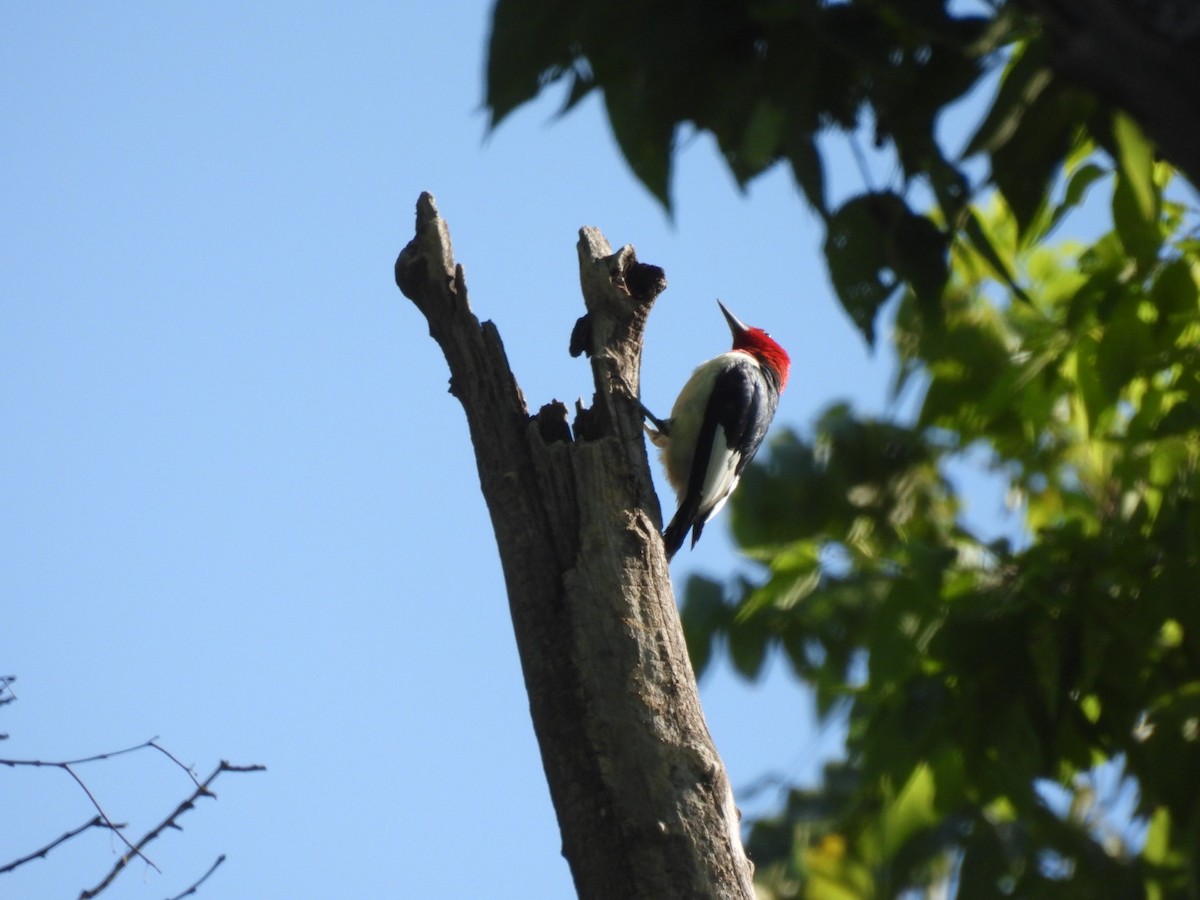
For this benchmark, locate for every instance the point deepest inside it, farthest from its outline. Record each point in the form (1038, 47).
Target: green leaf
(988, 866)
(1175, 293)
(982, 244)
(1088, 385)
(748, 646)
(704, 612)
(1183, 418)
(1027, 77)
(967, 671)
(809, 171)
(645, 141)
(581, 86)
(921, 257)
(911, 811)
(526, 51)
(795, 573)
(762, 135)
(1077, 187)
(951, 188)
(782, 497)
(1136, 159)
(1025, 165)
(1123, 348)
(1140, 233)
(856, 247)
(1158, 837)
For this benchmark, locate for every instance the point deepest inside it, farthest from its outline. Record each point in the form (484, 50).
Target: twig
(6, 695)
(203, 878)
(102, 820)
(66, 767)
(93, 822)
(40, 763)
(191, 773)
(107, 821)
(169, 822)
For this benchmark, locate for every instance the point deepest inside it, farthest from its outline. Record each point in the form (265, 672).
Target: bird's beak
(736, 325)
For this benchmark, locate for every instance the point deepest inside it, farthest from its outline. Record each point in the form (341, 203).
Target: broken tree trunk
(643, 801)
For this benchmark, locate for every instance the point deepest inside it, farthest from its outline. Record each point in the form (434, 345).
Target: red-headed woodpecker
(716, 426)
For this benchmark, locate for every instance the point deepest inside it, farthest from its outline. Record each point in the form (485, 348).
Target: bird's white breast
(687, 417)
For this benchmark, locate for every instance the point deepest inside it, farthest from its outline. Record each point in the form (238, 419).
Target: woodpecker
(716, 426)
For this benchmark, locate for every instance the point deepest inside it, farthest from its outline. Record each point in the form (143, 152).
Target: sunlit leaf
(1140, 235)
(1024, 166)
(982, 243)
(1136, 160)
(911, 811)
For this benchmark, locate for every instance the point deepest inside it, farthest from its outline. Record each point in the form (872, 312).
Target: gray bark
(643, 801)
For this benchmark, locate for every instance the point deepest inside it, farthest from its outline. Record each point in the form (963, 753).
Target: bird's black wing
(742, 404)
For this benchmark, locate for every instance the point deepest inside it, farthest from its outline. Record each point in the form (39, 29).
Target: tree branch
(199, 881)
(96, 821)
(102, 820)
(643, 802)
(1150, 68)
(101, 814)
(171, 821)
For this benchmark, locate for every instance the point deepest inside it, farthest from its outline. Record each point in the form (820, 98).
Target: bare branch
(40, 763)
(203, 878)
(66, 767)
(93, 822)
(170, 821)
(102, 820)
(6, 695)
(107, 821)
(191, 773)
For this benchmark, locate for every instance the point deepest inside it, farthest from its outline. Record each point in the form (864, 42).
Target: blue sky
(240, 510)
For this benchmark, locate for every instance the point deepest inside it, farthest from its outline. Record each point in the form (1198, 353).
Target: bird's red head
(758, 344)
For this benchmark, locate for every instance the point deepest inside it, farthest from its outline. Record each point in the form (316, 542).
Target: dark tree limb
(643, 802)
(1141, 57)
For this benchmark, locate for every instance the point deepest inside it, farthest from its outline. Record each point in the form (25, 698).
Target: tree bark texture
(643, 801)
(1143, 57)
